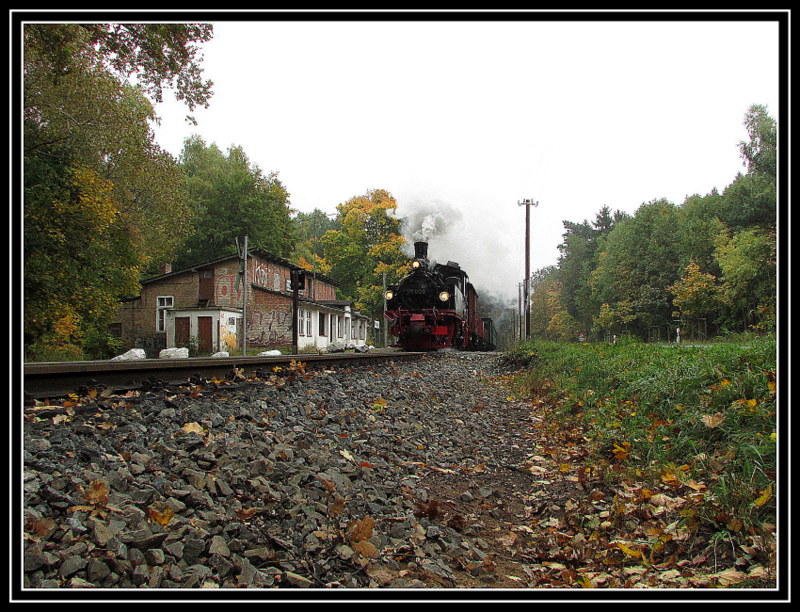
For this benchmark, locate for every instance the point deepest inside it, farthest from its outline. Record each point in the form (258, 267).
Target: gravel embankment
(308, 480)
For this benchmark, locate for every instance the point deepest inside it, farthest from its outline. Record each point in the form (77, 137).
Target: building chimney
(166, 268)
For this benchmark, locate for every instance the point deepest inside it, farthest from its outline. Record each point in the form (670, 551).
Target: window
(309, 327)
(163, 303)
(301, 327)
(322, 318)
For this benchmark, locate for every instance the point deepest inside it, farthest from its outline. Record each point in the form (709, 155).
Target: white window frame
(163, 303)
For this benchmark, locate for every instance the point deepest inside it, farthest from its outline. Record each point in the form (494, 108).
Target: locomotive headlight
(389, 294)
(444, 296)
(416, 264)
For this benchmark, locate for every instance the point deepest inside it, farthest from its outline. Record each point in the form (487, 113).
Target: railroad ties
(58, 379)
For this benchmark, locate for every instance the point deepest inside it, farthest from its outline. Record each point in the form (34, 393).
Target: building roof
(257, 252)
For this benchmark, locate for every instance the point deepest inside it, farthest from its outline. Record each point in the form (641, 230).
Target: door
(181, 331)
(206, 290)
(204, 332)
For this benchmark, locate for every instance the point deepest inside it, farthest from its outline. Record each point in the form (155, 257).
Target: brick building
(202, 307)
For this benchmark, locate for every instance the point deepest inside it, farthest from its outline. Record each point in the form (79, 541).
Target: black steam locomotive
(436, 307)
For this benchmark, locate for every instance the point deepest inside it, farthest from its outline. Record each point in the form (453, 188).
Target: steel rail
(58, 379)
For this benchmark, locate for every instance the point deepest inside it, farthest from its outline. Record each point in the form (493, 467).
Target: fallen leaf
(96, 493)
(193, 428)
(729, 576)
(630, 552)
(337, 507)
(41, 527)
(714, 420)
(246, 513)
(159, 513)
(360, 530)
(621, 451)
(507, 540)
(366, 548)
(764, 497)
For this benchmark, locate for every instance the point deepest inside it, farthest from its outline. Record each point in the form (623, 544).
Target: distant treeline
(705, 267)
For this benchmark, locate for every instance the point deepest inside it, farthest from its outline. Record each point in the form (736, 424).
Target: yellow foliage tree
(367, 246)
(78, 262)
(695, 295)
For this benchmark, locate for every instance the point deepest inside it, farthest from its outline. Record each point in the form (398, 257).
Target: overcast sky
(466, 119)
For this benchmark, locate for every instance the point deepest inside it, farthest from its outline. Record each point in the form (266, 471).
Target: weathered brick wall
(137, 318)
(225, 292)
(322, 291)
(269, 319)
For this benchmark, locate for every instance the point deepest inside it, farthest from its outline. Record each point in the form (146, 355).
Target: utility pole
(383, 319)
(243, 278)
(527, 203)
(298, 280)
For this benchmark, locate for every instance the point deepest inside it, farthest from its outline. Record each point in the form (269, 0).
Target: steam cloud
(467, 238)
(426, 222)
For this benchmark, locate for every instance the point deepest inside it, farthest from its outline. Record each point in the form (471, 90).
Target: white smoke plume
(468, 240)
(425, 222)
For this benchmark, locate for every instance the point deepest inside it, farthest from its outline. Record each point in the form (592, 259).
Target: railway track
(58, 379)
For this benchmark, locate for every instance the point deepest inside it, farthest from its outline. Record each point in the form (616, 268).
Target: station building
(202, 307)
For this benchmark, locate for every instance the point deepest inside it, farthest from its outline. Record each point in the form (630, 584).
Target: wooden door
(181, 331)
(204, 332)
(206, 290)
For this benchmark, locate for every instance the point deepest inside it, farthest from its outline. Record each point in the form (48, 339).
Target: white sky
(476, 116)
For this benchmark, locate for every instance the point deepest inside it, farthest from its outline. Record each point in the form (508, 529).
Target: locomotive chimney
(421, 250)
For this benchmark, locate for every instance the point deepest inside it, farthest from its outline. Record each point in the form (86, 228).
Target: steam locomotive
(436, 307)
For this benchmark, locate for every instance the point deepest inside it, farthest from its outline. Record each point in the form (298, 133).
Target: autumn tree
(549, 317)
(367, 246)
(614, 320)
(89, 154)
(78, 260)
(309, 249)
(695, 297)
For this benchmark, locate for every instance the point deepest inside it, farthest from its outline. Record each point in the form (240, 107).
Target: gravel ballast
(298, 479)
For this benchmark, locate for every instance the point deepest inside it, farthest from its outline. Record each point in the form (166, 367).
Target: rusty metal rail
(57, 379)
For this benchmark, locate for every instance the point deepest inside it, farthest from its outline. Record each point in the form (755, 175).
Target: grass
(696, 418)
